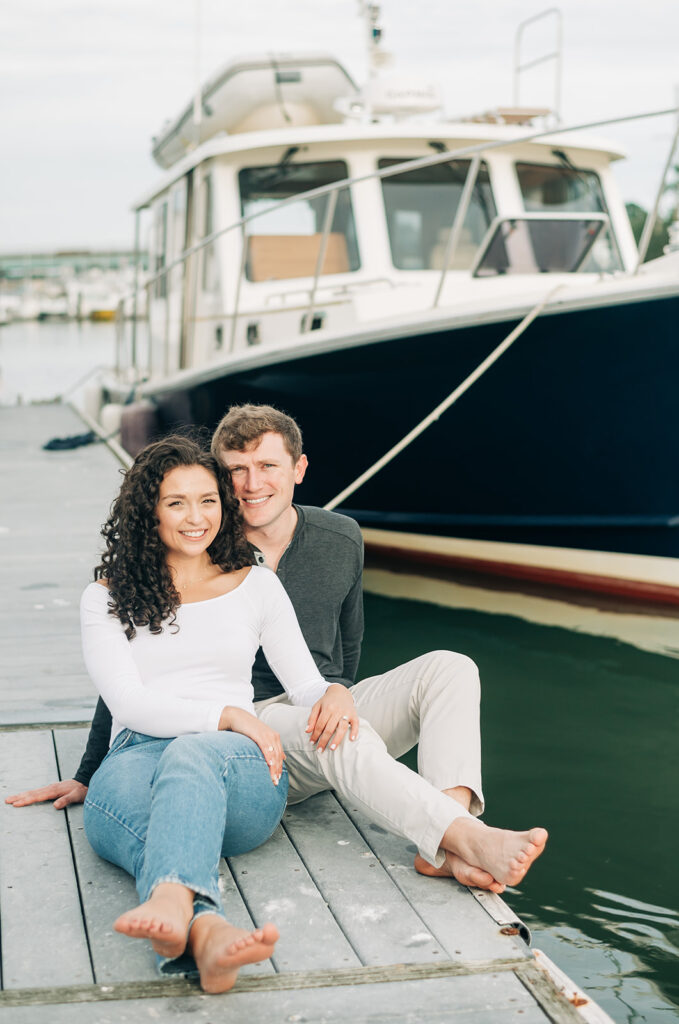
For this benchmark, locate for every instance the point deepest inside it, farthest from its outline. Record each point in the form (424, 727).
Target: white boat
(358, 260)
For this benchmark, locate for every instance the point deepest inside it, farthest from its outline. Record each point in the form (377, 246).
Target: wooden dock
(363, 937)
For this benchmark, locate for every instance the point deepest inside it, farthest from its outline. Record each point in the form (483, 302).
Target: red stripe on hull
(639, 590)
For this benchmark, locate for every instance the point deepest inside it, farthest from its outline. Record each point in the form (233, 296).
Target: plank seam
(76, 870)
(394, 880)
(294, 980)
(248, 906)
(320, 891)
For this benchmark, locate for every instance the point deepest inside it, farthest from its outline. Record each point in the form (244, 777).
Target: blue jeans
(165, 810)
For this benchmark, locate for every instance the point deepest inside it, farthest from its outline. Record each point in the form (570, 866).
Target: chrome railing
(556, 55)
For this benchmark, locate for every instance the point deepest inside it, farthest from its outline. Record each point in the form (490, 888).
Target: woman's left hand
(332, 717)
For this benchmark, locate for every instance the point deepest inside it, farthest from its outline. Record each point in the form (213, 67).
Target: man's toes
(478, 877)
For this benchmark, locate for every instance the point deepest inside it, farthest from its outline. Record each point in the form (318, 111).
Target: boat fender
(92, 401)
(109, 417)
(138, 425)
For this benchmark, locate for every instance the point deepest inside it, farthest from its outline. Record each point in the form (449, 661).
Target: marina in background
(79, 285)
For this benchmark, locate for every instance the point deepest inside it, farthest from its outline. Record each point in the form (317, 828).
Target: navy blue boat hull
(571, 439)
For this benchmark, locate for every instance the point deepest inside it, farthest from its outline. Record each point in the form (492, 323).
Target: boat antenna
(377, 56)
(371, 13)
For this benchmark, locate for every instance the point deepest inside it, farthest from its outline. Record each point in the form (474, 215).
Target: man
(432, 700)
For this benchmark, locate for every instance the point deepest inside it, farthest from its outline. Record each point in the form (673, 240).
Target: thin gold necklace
(189, 583)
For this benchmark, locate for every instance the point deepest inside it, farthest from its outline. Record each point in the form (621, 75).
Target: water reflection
(579, 735)
(651, 628)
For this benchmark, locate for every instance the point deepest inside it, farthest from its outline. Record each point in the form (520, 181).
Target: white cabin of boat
(282, 126)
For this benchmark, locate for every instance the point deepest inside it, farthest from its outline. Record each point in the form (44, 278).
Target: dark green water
(580, 734)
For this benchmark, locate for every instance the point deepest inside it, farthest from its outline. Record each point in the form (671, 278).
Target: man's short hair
(244, 425)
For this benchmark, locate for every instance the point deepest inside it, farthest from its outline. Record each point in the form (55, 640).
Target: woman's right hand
(268, 741)
(63, 793)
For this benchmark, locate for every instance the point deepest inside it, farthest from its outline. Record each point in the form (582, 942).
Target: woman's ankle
(175, 892)
(201, 928)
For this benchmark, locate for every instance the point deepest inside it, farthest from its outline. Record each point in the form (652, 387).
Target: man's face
(264, 479)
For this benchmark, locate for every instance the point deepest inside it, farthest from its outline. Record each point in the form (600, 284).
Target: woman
(170, 629)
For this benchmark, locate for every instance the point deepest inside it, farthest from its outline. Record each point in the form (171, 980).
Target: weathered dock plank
(422, 1001)
(51, 509)
(276, 885)
(43, 938)
(380, 923)
(107, 891)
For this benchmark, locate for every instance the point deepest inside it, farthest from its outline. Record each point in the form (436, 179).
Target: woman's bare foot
(506, 855)
(164, 919)
(220, 950)
(465, 874)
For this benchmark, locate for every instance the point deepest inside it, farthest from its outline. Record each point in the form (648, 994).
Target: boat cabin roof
(465, 135)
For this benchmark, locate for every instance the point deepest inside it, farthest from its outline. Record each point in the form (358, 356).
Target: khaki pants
(433, 701)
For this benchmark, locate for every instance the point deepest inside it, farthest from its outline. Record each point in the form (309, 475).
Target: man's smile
(255, 501)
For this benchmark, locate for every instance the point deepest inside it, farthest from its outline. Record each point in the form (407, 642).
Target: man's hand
(66, 792)
(332, 717)
(268, 741)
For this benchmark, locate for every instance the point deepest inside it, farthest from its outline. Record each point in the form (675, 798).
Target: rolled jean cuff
(185, 965)
(203, 895)
(181, 966)
(429, 846)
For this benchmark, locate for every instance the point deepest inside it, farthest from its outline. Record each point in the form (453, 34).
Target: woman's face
(189, 510)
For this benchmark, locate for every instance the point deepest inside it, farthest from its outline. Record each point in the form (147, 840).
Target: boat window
(160, 249)
(544, 245)
(420, 207)
(286, 242)
(210, 275)
(553, 188)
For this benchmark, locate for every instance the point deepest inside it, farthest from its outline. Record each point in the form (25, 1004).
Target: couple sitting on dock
(212, 591)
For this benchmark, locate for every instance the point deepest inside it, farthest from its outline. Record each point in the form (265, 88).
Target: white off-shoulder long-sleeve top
(179, 681)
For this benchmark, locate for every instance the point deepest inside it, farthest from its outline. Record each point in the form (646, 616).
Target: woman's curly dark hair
(140, 584)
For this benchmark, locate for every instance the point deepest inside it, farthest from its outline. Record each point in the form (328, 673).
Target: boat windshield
(420, 206)
(554, 188)
(286, 242)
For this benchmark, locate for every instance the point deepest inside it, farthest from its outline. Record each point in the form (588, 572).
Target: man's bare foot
(220, 950)
(465, 874)
(164, 919)
(506, 855)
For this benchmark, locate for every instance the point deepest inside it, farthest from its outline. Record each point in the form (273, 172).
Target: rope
(63, 444)
(446, 403)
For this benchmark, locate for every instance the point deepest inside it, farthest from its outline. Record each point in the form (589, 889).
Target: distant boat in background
(352, 256)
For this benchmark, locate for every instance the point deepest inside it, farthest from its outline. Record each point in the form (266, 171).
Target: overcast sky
(85, 83)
